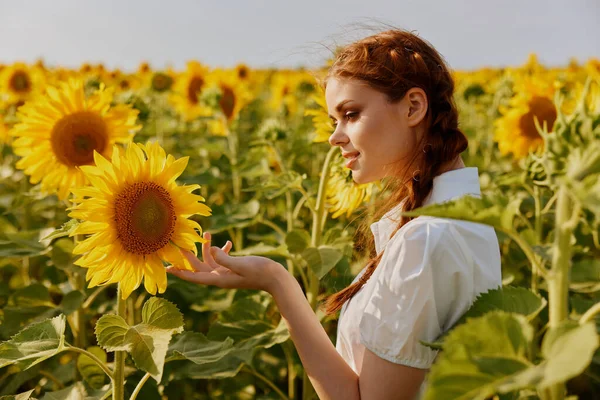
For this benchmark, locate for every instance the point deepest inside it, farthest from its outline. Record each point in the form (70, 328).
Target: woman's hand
(222, 270)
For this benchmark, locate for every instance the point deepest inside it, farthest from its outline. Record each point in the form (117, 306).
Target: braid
(393, 62)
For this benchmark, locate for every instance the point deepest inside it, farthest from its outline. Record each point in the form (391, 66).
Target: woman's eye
(351, 115)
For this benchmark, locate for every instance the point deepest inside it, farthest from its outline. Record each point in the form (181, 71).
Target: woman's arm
(330, 374)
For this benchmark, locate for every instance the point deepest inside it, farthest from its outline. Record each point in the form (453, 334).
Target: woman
(390, 98)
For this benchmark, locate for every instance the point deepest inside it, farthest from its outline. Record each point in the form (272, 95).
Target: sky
(122, 33)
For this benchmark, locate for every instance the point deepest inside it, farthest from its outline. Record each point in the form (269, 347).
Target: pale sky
(269, 33)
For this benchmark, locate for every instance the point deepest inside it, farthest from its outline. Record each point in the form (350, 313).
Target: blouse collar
(446, 186)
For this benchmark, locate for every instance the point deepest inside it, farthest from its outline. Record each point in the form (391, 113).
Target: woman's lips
(351, 159)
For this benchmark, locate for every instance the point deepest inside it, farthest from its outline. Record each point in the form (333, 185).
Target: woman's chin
(359, 178)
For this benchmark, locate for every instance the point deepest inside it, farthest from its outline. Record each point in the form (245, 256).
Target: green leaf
(74, 392)
(297, 240)
(587, 192)
(486, 355)
(111, 331)
(21, 244)
(585, 276)
(252, 307)
(34, 344)
(239, 216)
(148, 341)
(479, 355)
(262, 249)
(321, 260)
(583, 162)
(496, 210)
(242, 352)
(200, 297)
(275, 186)
(64, 230)
(162, 314)
(568, 349)
(62, 254)
(72, 301)
(509, 299)
(89, 370)
(194, 346)
(20, 396)
(33, 304)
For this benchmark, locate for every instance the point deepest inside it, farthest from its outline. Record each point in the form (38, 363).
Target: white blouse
(431, 272)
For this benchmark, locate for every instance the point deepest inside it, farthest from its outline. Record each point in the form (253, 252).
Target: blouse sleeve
(403, 309)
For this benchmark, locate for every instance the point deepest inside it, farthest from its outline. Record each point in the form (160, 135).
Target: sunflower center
(145, 217)
(227, 101)
(544, 110)
(20, 82)
(194, 89)
(242, 73)
(161, 82)
(75, 137)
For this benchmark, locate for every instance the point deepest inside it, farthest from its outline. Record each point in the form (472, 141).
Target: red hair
(392, 62)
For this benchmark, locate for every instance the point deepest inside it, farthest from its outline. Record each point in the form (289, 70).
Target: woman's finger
(195, 262)
(220, 257)
(206, 256)
(227, 247)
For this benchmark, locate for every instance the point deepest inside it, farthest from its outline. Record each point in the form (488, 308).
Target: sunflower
(243, 73)
(144, 69)
(343, 195)
(19, 82)
(137, 217)
(187, 87)
(320, 118)
(60, 131)
(233, 97)
(515, 130)
(4, 136)
(283, 87)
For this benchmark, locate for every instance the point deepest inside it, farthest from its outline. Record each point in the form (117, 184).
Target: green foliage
(488, 355)
(148, 341)
(89, 370)
(34, 344)
(517, 300)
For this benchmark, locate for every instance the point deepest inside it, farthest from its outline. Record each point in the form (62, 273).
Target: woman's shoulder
(429, 232)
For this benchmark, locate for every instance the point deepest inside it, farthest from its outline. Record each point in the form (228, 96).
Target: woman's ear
(417, 106)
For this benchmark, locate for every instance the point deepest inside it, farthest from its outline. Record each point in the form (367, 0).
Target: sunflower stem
(558, 279)
(119, 374)
(139, 386)
(319, 216)
(95, 359)
(79, 317)
(232, 142)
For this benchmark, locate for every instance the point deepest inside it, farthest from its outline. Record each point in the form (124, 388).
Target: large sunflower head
(320, 118)
(515, 130)
(344, 195)
(18, 82)
(188, 87)
(60, 131)
(137, 217)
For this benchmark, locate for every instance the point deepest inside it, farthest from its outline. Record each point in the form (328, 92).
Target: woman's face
(376, 137)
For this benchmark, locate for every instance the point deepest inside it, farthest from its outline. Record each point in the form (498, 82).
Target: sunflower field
(105, 175)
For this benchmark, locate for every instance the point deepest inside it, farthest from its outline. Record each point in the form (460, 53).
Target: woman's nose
(338, 138)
